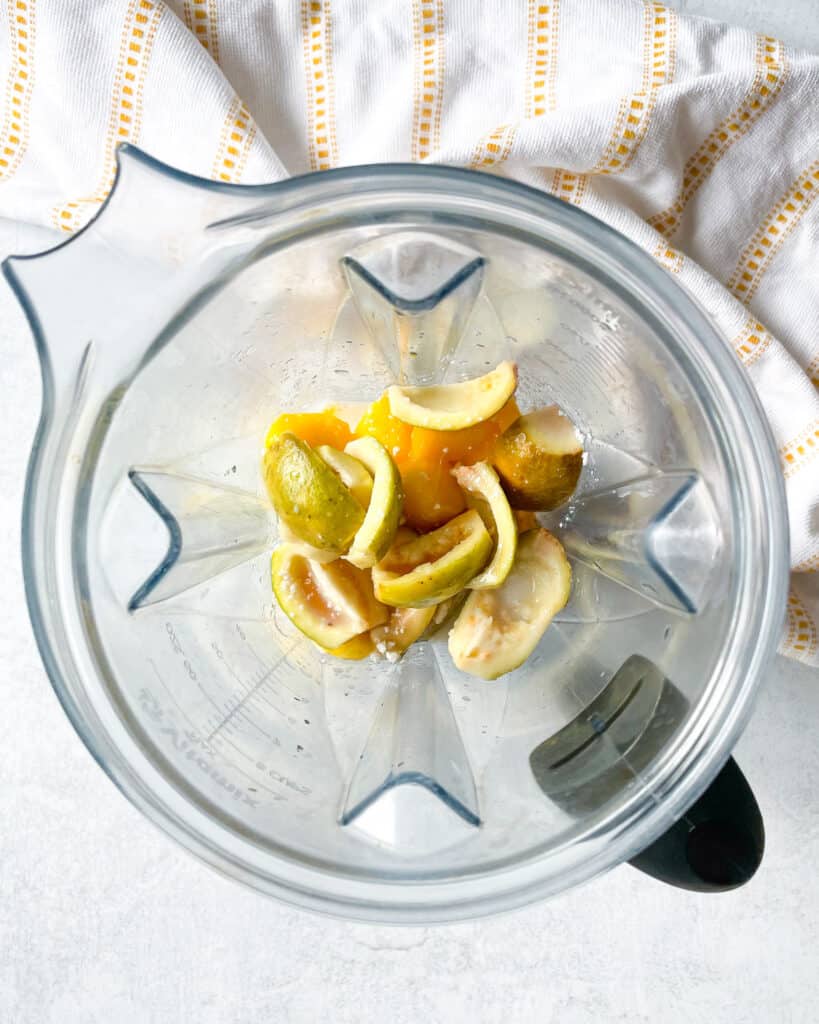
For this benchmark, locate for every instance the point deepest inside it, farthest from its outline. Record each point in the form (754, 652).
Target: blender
(174, 328)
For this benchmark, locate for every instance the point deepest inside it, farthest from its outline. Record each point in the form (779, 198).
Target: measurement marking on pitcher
(258, 657)
(173, 699)
(268, 673)
(260, 696)
(239, 706)
(243, 682)
(214, 754)
(220, 712)
(179, 650)
(273, 740)
(279, 682)
(219, 731)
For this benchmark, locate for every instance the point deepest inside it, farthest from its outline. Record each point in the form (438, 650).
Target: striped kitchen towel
(698, 141)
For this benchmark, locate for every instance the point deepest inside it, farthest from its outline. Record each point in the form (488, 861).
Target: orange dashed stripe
(772, 70)
(752, 341)
(125, 119)
(669, 258)
(541, 64)
(801, 638)
(802, 450)
(494, 148)
(635, 110)
(771, 235)
(812, 371)
(540, 78)
(238, 132)
(428, 76)
(568, 186)
(808, 565)
(19, 85)
(317, 42)
(634, 115)
(200, 18)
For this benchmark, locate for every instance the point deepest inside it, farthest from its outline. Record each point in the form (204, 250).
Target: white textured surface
(103, 920)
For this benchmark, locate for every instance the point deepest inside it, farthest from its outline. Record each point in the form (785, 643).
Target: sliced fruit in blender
(525, 519)
(376, 533)
(314, 554)
(313, 427)
(308, 496)
(425, 570)
(454, 406)
(357, 649)
(329, 603)
(472, 444)
(378, 422)
(352, 473)
(431, 497)
(497, 630)
(458, 462)
(484, 493)
(444, 618)
(402, 628)
(538, 459)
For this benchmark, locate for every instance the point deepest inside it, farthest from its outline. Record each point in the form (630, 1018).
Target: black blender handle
(717, 845)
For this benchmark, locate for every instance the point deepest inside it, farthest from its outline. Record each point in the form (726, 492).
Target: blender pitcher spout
(117, 284)
(99, 306)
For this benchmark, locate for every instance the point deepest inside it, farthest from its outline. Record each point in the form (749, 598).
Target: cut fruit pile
(426, 507)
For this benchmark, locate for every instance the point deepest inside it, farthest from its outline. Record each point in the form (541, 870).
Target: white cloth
(698, 141)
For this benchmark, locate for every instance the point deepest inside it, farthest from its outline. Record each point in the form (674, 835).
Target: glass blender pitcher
(178, 324)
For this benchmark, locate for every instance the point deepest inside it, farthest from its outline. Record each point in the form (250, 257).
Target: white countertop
(103, 919)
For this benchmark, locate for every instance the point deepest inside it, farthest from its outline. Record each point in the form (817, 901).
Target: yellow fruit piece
(402, 628)
(287, 536)
(376, 533)
(308, 496)
(330, 603)
(425, 457)
(357, 649)
(426, 570)
(539, 459)
(485, 494)
(498, 629)
(473, 444)
(352, 473)
(525, 520)
(316, 428)
(378, 422)
(445, 614)
(431, 496)
(454, 406)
